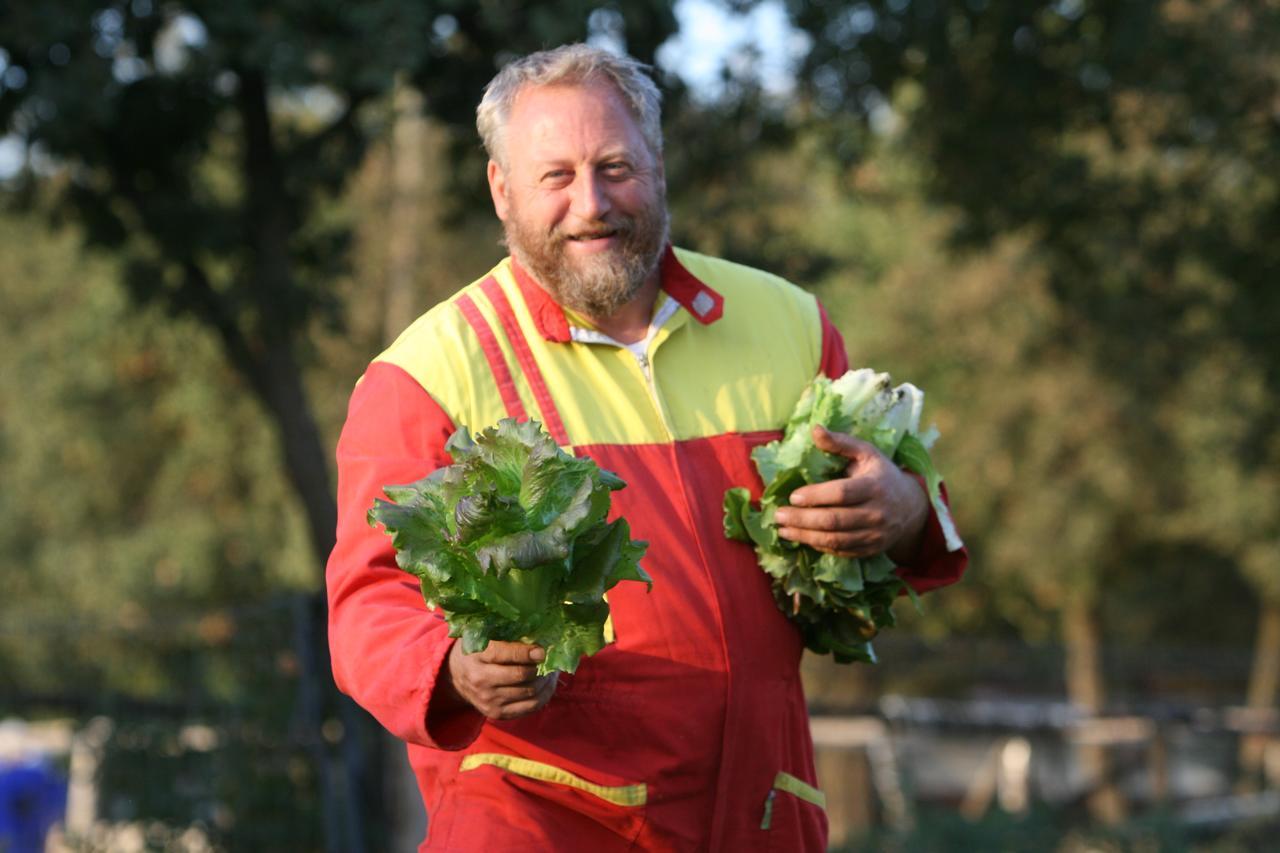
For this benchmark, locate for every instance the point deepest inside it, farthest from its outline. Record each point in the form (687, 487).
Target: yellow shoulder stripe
(621, 795)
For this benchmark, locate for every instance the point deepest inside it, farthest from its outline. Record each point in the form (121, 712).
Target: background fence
(965, 734)
(282, 762)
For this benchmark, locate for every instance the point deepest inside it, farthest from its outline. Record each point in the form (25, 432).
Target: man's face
(581, 197)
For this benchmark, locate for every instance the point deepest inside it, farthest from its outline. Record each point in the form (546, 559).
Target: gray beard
(596, 287)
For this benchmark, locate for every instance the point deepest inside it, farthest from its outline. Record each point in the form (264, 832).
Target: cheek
(534, 219)
(638, 199)
(546, 211)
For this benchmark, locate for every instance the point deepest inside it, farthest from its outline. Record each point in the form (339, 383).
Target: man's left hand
(877, 508)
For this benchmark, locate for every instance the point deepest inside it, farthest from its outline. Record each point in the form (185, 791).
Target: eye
(557, 176)
(616, 170)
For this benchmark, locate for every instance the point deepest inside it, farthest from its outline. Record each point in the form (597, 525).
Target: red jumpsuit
(690, 732)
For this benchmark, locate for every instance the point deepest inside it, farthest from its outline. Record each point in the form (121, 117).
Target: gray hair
(569, 65)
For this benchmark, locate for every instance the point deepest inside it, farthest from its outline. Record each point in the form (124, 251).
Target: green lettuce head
(839, 603)
(510, 542)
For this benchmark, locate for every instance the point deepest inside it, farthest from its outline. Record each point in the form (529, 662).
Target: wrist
(452, 721)
(907, 548)
(446, 698)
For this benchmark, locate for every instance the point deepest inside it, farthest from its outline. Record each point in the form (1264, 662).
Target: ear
(498, 189)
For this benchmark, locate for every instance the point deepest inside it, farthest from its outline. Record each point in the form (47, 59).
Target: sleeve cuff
(933, 565)
(447, 727)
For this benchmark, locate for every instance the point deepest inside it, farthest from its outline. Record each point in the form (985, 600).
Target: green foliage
(1131, 147)
(133, 467)
(204, 143)
(1109, 171)
(1055, 460)
(839, 603)
(142, 575)
(511, 542)
(207, 148)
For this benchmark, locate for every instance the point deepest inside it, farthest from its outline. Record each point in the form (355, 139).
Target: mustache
(622, 227)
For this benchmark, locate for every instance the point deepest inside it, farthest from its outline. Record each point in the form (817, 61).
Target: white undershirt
(639, 349)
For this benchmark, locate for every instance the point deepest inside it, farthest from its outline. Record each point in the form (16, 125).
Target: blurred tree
(1034, 435)
(135, 476)
(146, 536)
(208, 147)
(1134, 147)
(205, 142)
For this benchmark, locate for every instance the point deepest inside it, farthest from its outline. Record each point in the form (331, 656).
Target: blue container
(33, 797)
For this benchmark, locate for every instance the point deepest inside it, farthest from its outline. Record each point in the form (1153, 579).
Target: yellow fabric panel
(706, 379)
(803, 790)
(725, 377)
(442, 353)
(621, 795)
(599, 389)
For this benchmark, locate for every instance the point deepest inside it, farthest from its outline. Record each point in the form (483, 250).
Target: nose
(590, 199)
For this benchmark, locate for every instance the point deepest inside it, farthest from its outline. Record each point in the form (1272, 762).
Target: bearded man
(667, 367)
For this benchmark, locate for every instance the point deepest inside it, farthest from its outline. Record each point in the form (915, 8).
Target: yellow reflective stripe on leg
(621, 795)
(803, 790)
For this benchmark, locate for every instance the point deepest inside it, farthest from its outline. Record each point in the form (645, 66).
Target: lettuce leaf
(510, 542)
(839, 603)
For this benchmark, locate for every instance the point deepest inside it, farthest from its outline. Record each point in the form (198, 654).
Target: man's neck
(630, 323)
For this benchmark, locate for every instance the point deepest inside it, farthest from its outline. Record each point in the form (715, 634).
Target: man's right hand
(501, 682)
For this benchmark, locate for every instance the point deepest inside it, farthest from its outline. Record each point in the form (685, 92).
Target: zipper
(642, 359)
(646, 369)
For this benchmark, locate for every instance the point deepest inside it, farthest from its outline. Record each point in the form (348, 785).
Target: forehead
(571, 122)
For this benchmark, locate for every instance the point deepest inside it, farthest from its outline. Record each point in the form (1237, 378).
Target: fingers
(858, 515)
(866, 467)
(842, 443)
(545, 689)
(846, 491)
(830, 518)
(536, 688)
(515, 663)
(865, 543)
(517, 700)
(501, 652)
(501, 682)
(876, 509)
(844, 532)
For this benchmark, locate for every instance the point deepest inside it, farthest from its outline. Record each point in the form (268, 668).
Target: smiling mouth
(594, 235)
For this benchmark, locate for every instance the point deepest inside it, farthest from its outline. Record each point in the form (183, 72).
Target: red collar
(705, 304)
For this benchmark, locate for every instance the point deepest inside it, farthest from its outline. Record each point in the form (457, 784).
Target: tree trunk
(1086, 690)
(406, 225)
(276, 380)
(279, 383)
(1264, 685)
(404, 814)
(305, 457)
